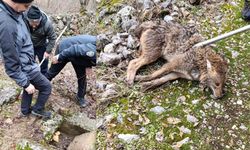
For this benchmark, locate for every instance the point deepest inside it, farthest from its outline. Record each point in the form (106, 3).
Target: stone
(81, 121)
(180, 143)
(192, 119)
(28, 144)
(132, 43)
(85, 141)
(158, 110)
(110, 48)
(168, 18)
(109, 58)
(125, 18)
(8, 92)
(108, 93)
(50, 126)
(128, 137)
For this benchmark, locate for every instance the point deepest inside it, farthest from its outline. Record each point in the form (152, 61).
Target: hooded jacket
(80, 50)
(16, 46)
(44, 34)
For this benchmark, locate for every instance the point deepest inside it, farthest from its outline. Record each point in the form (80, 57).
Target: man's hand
(30, 89)
(46, 55)
(55, 59)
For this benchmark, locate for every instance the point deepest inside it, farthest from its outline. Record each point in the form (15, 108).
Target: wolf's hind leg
(157, 82)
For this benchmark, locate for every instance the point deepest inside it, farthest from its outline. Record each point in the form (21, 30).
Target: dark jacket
(45, 31)
(80, 50)
(17, 47)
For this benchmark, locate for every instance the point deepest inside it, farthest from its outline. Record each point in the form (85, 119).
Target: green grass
(214, 130)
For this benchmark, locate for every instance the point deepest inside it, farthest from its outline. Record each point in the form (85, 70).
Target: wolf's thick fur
(172, 42)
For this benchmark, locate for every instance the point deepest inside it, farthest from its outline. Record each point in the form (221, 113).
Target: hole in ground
(67, 135)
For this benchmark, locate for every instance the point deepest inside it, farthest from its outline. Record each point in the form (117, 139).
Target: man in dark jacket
(18, 56)
(246, 10)
(42, 34)
(81, 52)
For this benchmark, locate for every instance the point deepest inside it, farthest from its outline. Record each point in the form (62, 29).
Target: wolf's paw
(146, 86)
(130, 82)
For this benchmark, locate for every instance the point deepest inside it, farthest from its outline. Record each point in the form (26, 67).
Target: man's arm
(51, 35)
(78, 50)
(10, 54)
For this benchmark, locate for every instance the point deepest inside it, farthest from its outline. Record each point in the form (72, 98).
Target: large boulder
(85, 141)
(8, 91)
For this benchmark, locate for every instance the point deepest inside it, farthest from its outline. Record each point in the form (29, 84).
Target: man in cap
(81, 52)
(43, 35)
(18, 56)
(246, 10)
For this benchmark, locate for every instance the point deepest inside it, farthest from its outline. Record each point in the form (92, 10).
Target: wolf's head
(216, 74)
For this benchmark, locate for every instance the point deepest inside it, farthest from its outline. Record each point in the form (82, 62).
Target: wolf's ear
(209, 65)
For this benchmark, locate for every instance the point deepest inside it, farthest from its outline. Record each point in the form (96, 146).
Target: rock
(123, 35)
(158, 110)
(81, 121)
(50, 127)
(128, 24)
(168, 18)
(243, 127)
(126, 53)
(143, 130)
(239, 102)
(185, 130)
(101, 41)
(181, 99)
(196, 101)
(147, 4)
(108, 93)
(109, 59)
(60, 25)
(159, 136)
(166, 3)
(101, 85)
(116, 40)
(85, 141)
(132, 43)
(192, 119)
(27, 144)
(125, 18)
(172, 120)
(178, 145)
(8, 91)
(128, 137)
(110, 48)
(119, 118)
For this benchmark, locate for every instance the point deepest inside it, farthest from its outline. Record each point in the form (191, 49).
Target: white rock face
(128, 137)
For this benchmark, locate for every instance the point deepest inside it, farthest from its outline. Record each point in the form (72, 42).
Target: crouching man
(81, 52)
(18, 56)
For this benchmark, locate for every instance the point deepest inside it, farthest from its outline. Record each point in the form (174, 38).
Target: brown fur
(172, 42)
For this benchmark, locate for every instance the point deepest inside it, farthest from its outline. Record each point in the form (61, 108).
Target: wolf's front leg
(157, 82)
(165, 69)
(133, 66)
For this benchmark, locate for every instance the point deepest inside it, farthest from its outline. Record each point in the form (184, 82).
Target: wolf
(171, 42)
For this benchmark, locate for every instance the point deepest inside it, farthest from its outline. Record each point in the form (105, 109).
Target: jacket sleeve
(85, 51)
(51, 35)
(10, 55)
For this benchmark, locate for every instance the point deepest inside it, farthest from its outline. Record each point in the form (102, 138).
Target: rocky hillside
(176, 115)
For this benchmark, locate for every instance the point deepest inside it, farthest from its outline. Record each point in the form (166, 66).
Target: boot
(194, 2)
(81, 101)
(246, 11)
